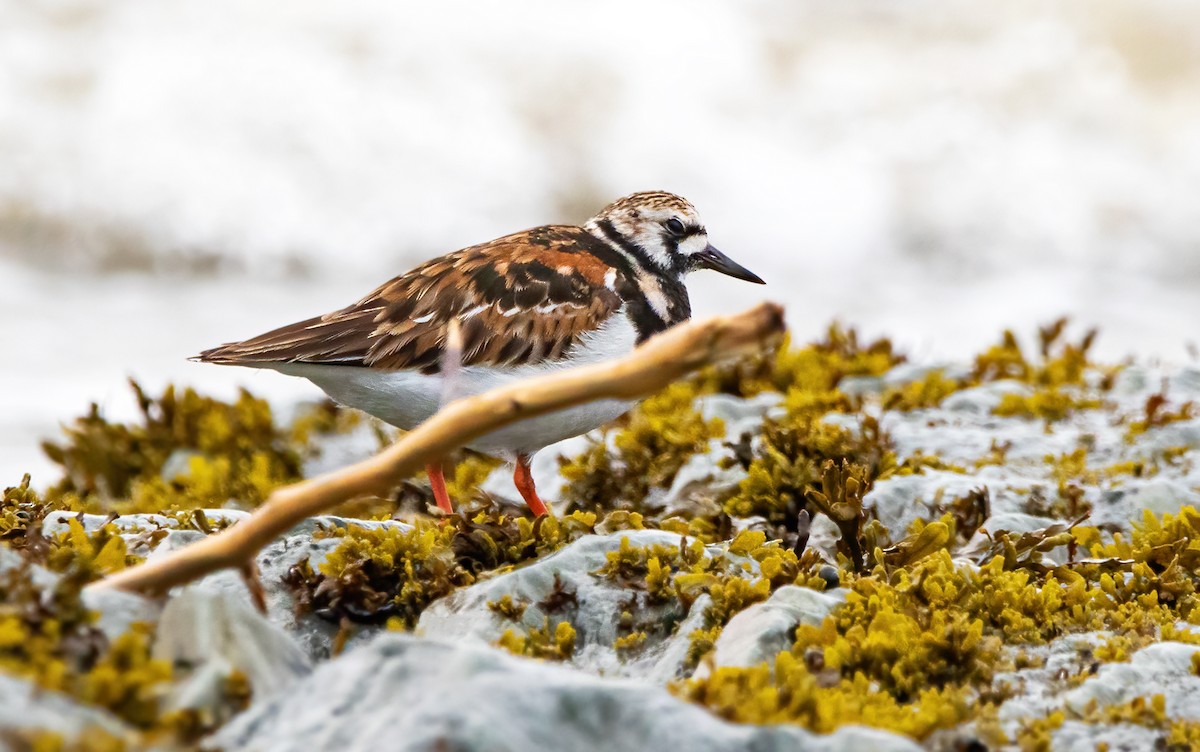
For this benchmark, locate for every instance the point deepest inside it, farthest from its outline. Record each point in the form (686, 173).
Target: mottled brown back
(522, 298)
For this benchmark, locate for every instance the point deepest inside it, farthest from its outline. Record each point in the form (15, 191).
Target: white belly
(406, 399)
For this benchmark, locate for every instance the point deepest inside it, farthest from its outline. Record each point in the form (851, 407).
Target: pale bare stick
(661, 360)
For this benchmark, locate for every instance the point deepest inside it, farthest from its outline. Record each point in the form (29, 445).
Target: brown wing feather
(519, 299)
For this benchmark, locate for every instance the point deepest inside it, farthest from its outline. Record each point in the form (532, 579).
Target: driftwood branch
(661, 360)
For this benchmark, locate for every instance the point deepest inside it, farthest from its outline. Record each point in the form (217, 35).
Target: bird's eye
(675, 226)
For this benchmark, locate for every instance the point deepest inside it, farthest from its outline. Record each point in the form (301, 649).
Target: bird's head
(664, 231)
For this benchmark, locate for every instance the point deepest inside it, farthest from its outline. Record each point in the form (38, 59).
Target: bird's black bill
(711, 258)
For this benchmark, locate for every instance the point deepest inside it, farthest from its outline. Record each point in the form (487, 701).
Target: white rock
(1132, 380)
(701, 481)
(57, 523)
(312, 633)
(226, 515)
(405, 693)
(981, 400)
(1160, 496)
(25, 707)
(1162, 668)
(339, 450)
(899, 500)
(214, 634)
(330, 521)
(1037, 691)
(964, 437)
(907, 373)
(760, 632)
(1184, 433)
(860, 386)
(1186, 380)
(741, 415)
(671, 661)
(1077, 736)
(119, 610)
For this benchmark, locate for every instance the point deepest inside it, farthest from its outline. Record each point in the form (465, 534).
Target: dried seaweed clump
(916, 648)
(790, 460)
(87, 555)
(1051, 404)
(389, 574)
(659, 436)
(922, 394)
(186, 450)
(1156, 413)
(1059, 362)
(746, 572)
(546, 643)
(49, 637)
(1058, 374)
(646, 452)
(816, 369)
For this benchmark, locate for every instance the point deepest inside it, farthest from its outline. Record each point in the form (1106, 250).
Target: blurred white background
(174, 175)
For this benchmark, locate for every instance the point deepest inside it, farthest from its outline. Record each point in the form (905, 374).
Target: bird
(535, 301)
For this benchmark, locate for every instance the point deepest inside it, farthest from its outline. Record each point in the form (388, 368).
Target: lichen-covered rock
(411, 694)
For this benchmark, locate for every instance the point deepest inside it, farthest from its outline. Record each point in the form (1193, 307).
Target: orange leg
(524, 483)
(437, 482)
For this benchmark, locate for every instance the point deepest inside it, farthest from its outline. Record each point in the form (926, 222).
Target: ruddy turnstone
(538, 300)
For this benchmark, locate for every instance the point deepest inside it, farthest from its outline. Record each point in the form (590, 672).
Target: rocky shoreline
(829, 548)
